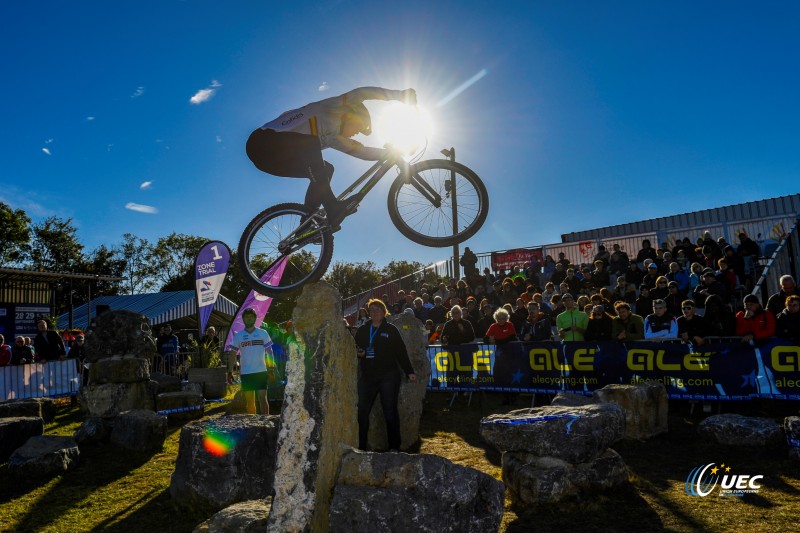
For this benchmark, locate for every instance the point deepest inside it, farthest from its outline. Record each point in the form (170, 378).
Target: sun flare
(403, 126)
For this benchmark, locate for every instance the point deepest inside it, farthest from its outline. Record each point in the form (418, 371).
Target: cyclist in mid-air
(291, 145)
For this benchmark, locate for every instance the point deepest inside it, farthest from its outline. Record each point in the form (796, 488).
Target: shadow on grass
(72, 488)
(151, 516)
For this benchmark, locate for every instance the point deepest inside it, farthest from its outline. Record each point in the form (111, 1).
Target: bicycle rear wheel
(265, 246)
(422, 204)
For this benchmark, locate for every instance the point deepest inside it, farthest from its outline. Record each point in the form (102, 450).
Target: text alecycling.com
(675, 382)
(563, 380)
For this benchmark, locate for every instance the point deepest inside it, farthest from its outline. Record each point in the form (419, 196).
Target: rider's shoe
(339, 210)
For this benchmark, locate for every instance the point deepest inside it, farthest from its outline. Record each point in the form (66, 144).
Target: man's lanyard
(372, 334)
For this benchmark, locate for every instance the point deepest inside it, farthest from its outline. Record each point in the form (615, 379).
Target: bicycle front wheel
(439, 203)
(273, 261)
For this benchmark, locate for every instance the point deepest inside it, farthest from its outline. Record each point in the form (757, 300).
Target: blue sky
(590, 113)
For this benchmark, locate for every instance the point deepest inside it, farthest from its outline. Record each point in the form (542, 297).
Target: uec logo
(703, 479)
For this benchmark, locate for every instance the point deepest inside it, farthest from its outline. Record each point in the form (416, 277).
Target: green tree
(104, 261)
(353, 278)
(56, 246)
(398, 269)
(173, 257)
(15, 235)
(134, 253)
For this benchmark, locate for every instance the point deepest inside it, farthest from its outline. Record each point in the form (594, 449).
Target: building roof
(159, 307)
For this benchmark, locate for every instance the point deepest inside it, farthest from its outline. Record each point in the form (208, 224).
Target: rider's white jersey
(323, 120)
(252, 346)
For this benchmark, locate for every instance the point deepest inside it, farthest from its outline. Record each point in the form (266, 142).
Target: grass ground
(121, 492)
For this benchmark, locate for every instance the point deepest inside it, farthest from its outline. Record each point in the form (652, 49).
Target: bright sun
(403, 126)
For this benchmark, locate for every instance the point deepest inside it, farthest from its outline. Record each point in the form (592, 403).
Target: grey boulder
(645, 405)
(43, 456)
(574, 434)
(791, 426)
(739, 430)
(140, 431)
(45, 408)
(401, 492)
(14, 432)
(94, 430)
(244, 517)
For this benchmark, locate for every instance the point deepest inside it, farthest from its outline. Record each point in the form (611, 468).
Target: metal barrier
(781, 262)
(54, 379)
(430, 274)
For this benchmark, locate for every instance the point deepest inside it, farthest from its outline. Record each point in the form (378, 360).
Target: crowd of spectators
(47, 345)
(689, 292)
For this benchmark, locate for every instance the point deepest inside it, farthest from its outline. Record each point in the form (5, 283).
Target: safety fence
(716, 370)
(781, 262)
(52, 379)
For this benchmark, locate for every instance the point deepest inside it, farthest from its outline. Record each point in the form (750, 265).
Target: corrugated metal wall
(25, 292)
(783, 207)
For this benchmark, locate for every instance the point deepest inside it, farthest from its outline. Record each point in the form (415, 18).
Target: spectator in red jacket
(5, 352)
(754, 322)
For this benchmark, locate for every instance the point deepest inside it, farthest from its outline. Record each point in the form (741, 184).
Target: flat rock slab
(45, 408)
(43, 456)
(533, 480)
(244, 517)
(791, 426)
(645, 405)
(402, 492)
(140, 431)
(119, 369)
(225, 460)
(575, 434)
(181, 406)
(738, 430)
(14, 432)
(165, 383)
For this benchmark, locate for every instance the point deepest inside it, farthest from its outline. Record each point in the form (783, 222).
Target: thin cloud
(139, 208)
(324, 87)
(47, 151)
(138, 92)
(204, 95)
(48, 141)
(89, 119)
(145, 185)
(219, 139)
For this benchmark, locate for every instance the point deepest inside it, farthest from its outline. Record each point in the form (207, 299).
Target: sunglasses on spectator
(688, 307)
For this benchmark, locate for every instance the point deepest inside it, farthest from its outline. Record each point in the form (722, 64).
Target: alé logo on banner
(703, 480)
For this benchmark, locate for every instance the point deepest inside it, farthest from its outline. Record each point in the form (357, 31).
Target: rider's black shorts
(285, 153)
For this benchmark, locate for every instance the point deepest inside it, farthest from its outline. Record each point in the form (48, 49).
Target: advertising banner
(722, 371)
(511, 258)
(210, 268)
(20, 319)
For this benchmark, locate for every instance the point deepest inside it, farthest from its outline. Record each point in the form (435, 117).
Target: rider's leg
(319, 190)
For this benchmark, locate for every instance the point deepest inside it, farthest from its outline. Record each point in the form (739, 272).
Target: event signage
(517, 257)
(718, 371)
(257, 301)
(210, 268)
(20, 319)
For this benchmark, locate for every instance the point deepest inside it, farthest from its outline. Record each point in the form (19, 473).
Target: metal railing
(781, 262)
(53, 379)
(430, 274)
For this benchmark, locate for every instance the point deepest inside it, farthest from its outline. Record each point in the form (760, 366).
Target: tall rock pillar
(319, 419)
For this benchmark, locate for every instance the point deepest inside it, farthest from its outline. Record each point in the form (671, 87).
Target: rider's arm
(356, 96)
(356, 149)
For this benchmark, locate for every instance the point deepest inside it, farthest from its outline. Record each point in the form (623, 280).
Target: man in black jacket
(48, 344)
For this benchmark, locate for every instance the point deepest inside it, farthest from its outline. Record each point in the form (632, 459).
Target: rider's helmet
(360, 110)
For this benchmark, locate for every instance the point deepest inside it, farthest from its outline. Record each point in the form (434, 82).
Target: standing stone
(111, 399)
(120, 332)
(94, 430)
(14, 432)
(570, 399)
(43, 456)
(401, 492)
(319, 412)
(738, 430)
(119, 369)
(645, 405)
(225, 460)
(791, 426)
(574, 434)
(412, 395)
(140, 431)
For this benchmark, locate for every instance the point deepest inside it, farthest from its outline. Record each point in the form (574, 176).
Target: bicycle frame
(370, 179)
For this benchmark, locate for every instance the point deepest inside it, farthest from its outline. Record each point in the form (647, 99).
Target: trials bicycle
(436, 202)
